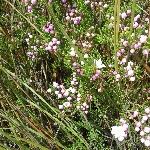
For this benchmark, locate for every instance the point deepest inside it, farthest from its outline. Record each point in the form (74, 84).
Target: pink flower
(29, 9)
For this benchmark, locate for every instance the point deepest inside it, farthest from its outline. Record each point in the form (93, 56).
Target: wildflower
(147, 129)
(29, 9)
(66, 104)
(130, 73)
(123, 15)
(137, 129)
(143, 38)
(33, 2)
(86, 56)
(72, 53)
(118, 132)
(132, 51)
(138, 124)
(123, 60)
(147, 143)
(135, 114)
(117, 77)
(145, 118)
(136, 17)
(52, 45)
(145, 52)
(135, 25)
(66, 93)
(59, 96)
(105, 5)
(87, 2)
(49, 90)
(142, 140)
(142, 133)
(55, 84)
(99, 64)
(69, 98)
(128, 11)
(147, 110)
(132, 78)
(63, 1)
(125, 43)
(61, 107)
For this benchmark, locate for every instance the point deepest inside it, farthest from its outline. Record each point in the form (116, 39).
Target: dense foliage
(74, 75)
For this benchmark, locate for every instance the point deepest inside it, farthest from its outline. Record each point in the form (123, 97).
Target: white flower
(56, 92)
(69, 98)
(72, 90)
(143, 38)
(142, 140)
(132, 78)
(138, 124)
(49, 90)
(142, 133)
(147, 129)
(99, 64)
(130, 73)
(145, 52)
(125, 43)
(86, 56)
(55, 84)
(137, 129)
(82, 62)
(147, 110)
(66, 93)
(124, 60)
(147, 142)
(132, 51)
(117, 77)
(59, 96)
(125, 127)
(67, 104)
(105, 5)
(122, 121)
(123, 15)
(33, 2)
(118, 132)
(145, 118)
(61, 107)
(121, 138)
(128, 11)
(72, 53)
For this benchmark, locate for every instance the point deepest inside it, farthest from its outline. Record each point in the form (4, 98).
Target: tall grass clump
(74, 75)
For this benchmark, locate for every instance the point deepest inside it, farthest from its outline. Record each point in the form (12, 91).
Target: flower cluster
(95, 4)
(52, 45)
(83, 106)
(96, 75)
(117, 75)
(73, 15)
(120, 132)
(30, 4)
(141, 125)
(130, 71)
(49, 28)
(70, 93)
(75, 64)
(32, 55)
